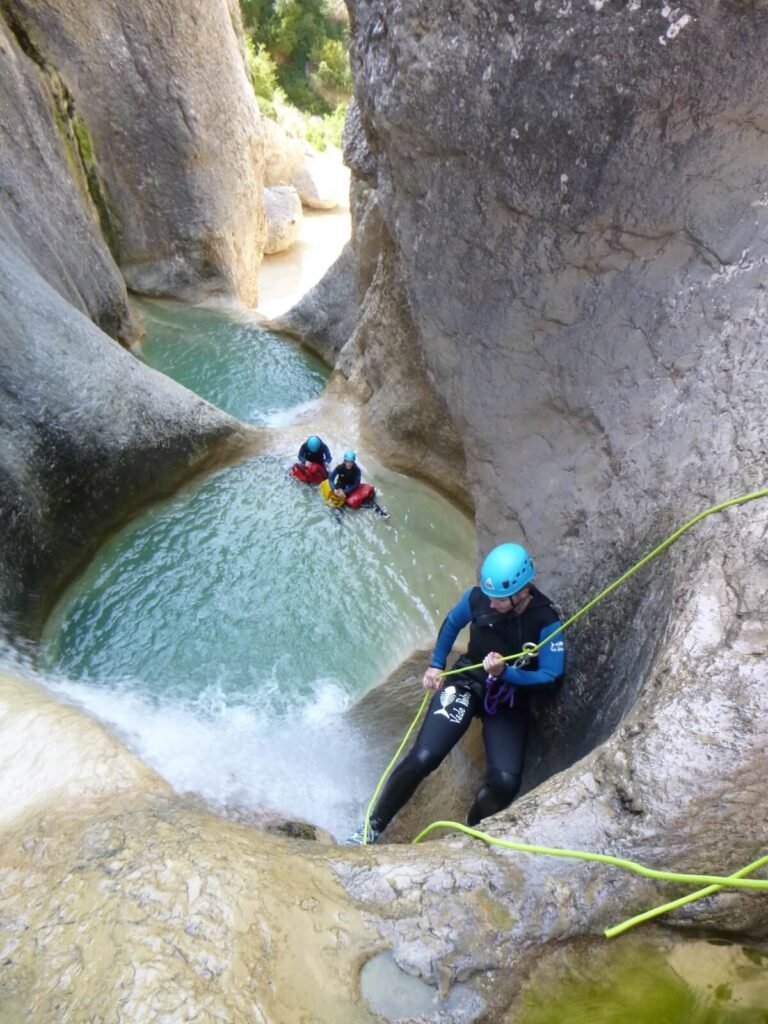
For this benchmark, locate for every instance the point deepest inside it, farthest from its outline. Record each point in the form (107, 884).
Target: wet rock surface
(282, 209)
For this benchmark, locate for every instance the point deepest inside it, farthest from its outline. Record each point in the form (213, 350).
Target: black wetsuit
(452, 709)
(322, 456)
(346, 477)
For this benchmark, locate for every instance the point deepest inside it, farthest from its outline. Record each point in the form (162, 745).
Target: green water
(249, 580)
(631, 982)
(228, 359)
(224, 633)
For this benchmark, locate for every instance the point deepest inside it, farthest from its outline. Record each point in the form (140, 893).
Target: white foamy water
(306, 764)
(223, 641)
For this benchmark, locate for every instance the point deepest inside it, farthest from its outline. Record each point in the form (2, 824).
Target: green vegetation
(631, 987)
(298, 57)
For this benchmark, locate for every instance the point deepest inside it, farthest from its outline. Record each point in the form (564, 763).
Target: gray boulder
(317, 182)
(284, 216)
(88, 435)
(283, 154)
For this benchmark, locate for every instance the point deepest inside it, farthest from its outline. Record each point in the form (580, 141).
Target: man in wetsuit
(346, 477)
(315, 450)
(505, 612)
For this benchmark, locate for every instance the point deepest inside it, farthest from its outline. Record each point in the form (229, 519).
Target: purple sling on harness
(497, 693)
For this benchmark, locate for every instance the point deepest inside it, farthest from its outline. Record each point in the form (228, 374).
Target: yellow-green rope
(713, 882)
(534, 648)
(732, 881)
(617, 929)
(388, 769)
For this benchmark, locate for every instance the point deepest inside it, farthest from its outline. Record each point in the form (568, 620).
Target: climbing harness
(713, 883)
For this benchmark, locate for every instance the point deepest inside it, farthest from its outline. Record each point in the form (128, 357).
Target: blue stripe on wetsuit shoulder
(551, 656)
(551, 662)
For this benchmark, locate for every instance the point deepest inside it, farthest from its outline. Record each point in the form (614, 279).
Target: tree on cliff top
(303, 45)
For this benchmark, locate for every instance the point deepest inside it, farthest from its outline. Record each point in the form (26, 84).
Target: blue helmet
(313, 443)
(506, 570)
(350, 456)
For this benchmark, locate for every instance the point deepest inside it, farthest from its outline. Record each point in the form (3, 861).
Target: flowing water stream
(223, 633)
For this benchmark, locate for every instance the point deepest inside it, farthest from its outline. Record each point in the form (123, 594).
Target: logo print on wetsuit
(450, 695)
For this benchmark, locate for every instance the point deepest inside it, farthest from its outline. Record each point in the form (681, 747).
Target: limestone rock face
(48, 211)
(316, 181)
(326, 317)
(574, 220)
(88, 434)
(577, 201)
(169, 119)
(150, 908)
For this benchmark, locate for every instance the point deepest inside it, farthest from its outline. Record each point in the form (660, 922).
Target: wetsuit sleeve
(334, 474)
(457, 618)
(326, 454)
(551, 662)
(303, 452)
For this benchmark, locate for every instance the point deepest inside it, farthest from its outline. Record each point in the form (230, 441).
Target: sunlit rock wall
(47, 210)
(577, 196)
(165, 118)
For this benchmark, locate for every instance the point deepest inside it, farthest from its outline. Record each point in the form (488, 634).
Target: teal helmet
(313, 443)
(506, 570)
(350, 456)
